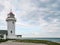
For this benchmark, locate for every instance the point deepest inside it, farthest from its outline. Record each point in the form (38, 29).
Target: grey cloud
(1, 7)
(32, 17)
(48, 13)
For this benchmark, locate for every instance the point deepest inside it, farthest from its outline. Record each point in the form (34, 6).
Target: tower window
(11, 31)
(13, 22)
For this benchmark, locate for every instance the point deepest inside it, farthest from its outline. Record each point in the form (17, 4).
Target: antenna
(10, 10)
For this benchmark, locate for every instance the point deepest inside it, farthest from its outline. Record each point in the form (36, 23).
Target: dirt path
(18, 43)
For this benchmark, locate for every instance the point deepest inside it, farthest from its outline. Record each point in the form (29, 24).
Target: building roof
(18, 35)
(3, 32)
(11, 15)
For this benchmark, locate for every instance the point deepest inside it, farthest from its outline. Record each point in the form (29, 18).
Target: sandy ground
(18, 43)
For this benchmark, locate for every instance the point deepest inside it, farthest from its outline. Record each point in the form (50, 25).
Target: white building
(10, 32)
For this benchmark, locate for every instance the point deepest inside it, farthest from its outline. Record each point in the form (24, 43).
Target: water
(49, 39)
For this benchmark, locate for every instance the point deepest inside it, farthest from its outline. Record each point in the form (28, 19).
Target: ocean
(49, 39)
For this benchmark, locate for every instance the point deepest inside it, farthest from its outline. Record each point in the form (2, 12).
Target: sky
(35, 18)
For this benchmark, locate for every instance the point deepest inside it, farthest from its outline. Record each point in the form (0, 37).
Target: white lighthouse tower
(11, 25)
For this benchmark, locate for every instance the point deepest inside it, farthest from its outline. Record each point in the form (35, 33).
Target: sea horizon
(46, 38)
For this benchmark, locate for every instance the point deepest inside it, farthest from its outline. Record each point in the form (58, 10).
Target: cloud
(33, 13)
(47, 17)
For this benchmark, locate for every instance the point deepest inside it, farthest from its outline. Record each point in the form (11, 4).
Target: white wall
(11, 27)
(5, 36)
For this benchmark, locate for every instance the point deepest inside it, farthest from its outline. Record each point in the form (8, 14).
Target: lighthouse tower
(11, 25)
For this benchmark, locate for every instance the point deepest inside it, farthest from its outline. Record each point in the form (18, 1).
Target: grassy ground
(34, 41)
(1, 40)
(39, 41)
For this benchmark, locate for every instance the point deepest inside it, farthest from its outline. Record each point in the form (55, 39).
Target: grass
(39, 41)
(2, 40)
(53, 43)
(34, 41)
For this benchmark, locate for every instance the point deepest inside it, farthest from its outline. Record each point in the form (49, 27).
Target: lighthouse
(11, 25)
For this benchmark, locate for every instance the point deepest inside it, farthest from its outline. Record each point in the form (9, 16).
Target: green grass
(34, 41)
(39, 41)
(53, 43)
(2, 40)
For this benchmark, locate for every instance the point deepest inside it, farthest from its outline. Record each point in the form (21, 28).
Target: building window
(1, 36)
(13, 22)
(11, 32)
